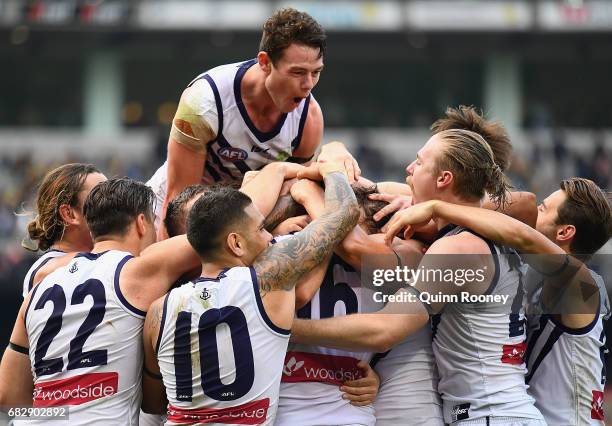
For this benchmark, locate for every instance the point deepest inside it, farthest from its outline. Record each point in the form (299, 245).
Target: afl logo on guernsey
(229, 153)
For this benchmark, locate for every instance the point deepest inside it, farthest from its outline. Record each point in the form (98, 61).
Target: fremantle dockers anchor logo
(205, 295)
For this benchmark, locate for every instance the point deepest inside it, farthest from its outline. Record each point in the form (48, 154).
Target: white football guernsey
(408, 374)
(85, 342)
(312, 375)
(479, 349)
(28, 281)
(570, 361)
(408, 393)
(220, 355)
(238, 146)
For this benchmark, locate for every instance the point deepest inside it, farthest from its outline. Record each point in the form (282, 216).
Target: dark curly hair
(370, 207)
(289, 26)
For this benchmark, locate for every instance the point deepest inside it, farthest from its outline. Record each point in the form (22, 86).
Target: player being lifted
(239, 117)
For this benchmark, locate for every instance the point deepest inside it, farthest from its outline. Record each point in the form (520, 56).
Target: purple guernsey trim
(90, 256)
(161, 325)
(550, 342)
(25, 315)
(212, 172)
(120, 295)
(33, 274)
(452, 228)
(298, 139)
(215, 90)
(215, 279)
(261, 136)
(260, 305)
(577, 331)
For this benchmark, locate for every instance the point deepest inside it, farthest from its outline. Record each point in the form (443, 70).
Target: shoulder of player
(51, 266)
(239, 272)
(199, 91)
(314, 121)
(196, 102)
(134, 268)
(462, 243)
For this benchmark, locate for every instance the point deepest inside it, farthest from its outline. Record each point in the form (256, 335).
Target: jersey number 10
(234, 318)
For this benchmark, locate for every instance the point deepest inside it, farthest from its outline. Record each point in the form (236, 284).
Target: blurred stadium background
(99, 81)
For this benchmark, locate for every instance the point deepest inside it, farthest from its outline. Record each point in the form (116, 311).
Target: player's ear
(265, 63)
(236, 244)
(141, 225)
(565, 233)
(444, 179)
(68, 214)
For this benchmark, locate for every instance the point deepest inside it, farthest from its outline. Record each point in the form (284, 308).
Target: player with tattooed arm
(217, 344)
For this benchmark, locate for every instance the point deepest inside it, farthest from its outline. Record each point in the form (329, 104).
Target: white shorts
(408, 393)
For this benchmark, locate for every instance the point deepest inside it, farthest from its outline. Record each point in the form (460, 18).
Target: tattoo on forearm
(279, 267)
(285, 208)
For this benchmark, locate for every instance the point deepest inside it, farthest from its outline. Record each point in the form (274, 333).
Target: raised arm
(488, 223)
(310, 283)
(377, 332)
(279, 266)
(521, 206)
(394, 188)
(403, 315)
(189, 135)
(568, 287)
(264, 189)
(285, 208)
(497, 227)
(357, 243)
(150, 275)
(336, 152)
